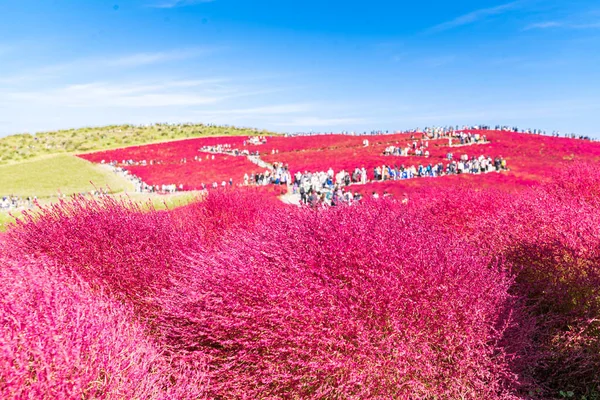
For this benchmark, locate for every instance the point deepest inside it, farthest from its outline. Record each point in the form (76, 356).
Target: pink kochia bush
(456, 293)
(126, 248)
(549, 238)
(60, 340)
(112, 244)
(363, 302)
(260, 300)
(552, 242)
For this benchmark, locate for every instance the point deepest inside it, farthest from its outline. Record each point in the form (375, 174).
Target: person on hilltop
(363, 175)
(313, 199)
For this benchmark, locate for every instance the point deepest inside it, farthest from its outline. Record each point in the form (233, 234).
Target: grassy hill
(43, 164)
(21, 147)
(59, 173)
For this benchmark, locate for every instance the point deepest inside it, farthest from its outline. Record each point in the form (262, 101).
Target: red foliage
(531, 159)
(352, 303)
(548, 236)
(461, 292)
(104, 241)
(59, 339)
(193, 174)
(169, 152)
(342, 305)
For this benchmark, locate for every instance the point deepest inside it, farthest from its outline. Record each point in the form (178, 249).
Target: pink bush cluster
(61, 340)
(345, 305)
(549, 239)
(456, 293)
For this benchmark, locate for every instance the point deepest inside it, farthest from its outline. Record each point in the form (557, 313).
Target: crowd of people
(539, 132)
(465, 139)
(12, 202)
(420, 147)
(328, 197)
(464, 165)
(256, 140)
(227, 149)
(445, 130)
(330, 189)
(131, 162)
(139, 185)
(277, 174)
(317, 181)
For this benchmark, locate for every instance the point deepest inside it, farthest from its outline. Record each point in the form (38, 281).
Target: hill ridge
(24, 146)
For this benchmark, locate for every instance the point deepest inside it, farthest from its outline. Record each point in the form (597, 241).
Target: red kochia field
(462, 287)
(531, 159)
(171, 170)
(457, 293)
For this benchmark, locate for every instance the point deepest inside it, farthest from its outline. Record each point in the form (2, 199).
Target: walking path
(290, 198)
(258, 161)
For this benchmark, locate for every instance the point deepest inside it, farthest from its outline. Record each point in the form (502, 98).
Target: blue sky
(300, 65)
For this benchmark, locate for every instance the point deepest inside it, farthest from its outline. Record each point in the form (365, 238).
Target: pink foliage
(169, 152)
(459, 292)
(59, 339)
(344, 304)
(348, 304)
(548, 236)
(112, 244)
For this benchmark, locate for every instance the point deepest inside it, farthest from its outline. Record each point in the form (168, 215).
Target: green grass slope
(21, 147)
(60, 173)
(5, 220)
(42, 165)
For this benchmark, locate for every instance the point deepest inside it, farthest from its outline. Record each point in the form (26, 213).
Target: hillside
(61, 173)
(193, 163)
(405, 296)
(20, 147)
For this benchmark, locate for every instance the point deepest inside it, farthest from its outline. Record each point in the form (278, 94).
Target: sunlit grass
(17, 148)
(57, 174)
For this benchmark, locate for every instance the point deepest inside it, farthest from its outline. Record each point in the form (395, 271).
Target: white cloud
(139, 59)
(178, 3)
(167, 93)
(93, 64)
(474, 16)
(563, 25)
(133, 60)
(101, 95)
(544, 25)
